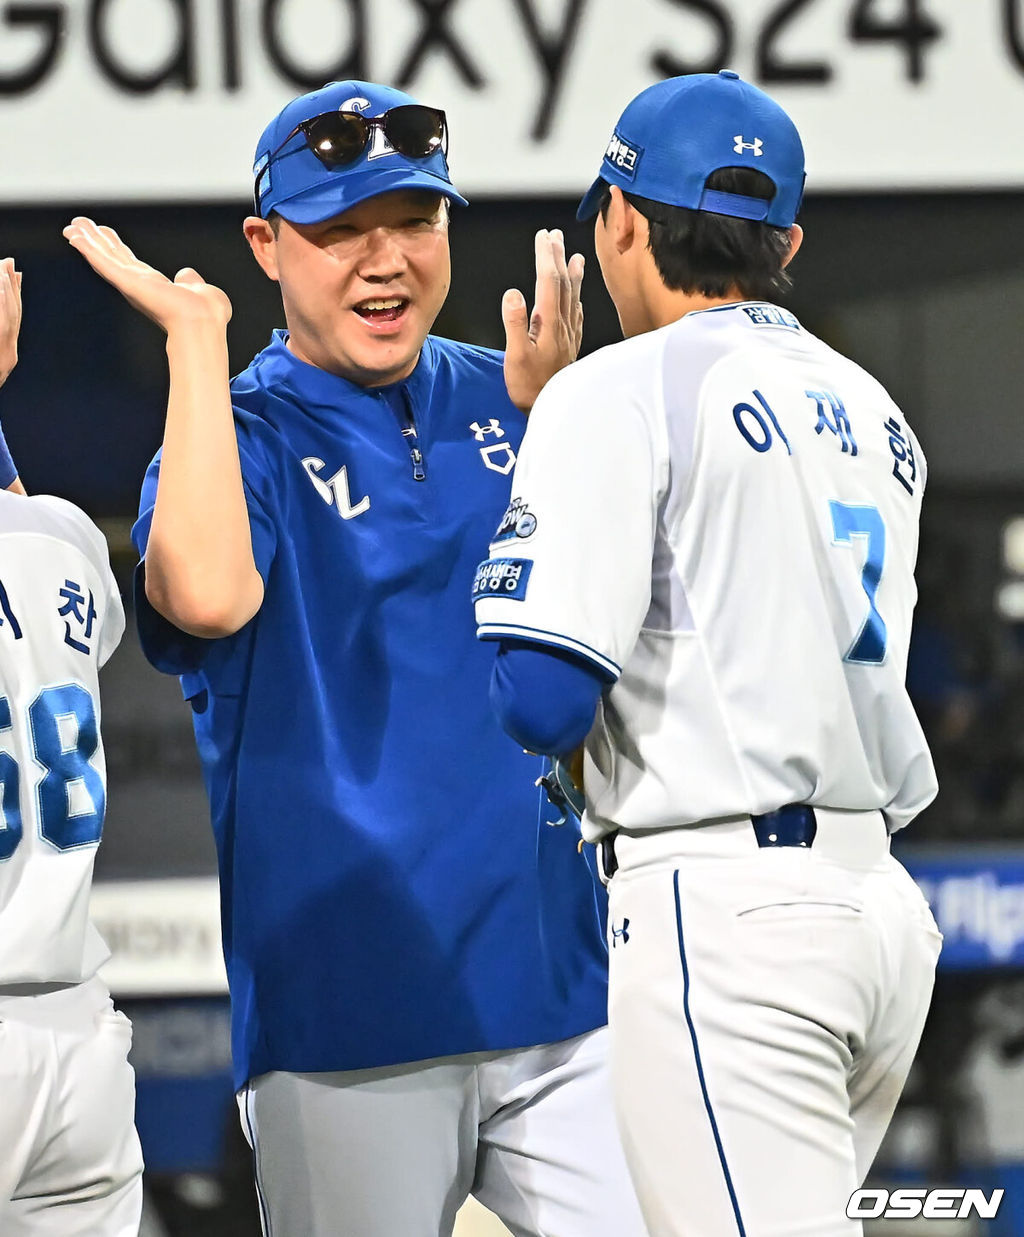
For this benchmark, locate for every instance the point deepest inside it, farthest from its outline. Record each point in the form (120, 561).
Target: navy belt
(792, 825)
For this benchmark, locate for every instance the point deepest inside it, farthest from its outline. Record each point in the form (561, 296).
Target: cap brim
(347, 189)
(588, 207)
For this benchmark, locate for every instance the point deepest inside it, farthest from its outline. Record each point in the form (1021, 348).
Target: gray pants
(394, 1152)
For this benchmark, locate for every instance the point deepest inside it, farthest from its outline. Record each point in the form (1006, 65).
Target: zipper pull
(419, 464)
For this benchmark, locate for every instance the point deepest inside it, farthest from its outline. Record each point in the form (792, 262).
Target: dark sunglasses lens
(414, 131)
(337, 138)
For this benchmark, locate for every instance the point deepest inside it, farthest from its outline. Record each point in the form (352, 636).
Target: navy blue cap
(298, 186)
(677, 132)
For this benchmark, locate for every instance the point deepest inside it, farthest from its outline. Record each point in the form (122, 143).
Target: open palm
(188, 297)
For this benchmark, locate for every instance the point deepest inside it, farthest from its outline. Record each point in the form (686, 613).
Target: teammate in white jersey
(707, 572)
(70, 1162)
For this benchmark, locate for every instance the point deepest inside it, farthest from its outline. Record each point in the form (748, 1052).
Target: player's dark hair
(696, 251)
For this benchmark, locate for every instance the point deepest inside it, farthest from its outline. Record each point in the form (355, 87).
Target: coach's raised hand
(538, 345)
(207, 586)
(188, 298)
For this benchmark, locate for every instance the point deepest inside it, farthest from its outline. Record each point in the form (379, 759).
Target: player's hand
(10, 317)
(188, 298)
(538, 345)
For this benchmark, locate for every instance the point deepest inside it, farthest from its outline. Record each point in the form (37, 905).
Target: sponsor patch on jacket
(502, 577)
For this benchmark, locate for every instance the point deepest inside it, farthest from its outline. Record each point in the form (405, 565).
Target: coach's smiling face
(361, 290)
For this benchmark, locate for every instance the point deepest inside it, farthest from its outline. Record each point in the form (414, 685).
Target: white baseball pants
(71, 1164)
(765, 1007)
(394, 1152)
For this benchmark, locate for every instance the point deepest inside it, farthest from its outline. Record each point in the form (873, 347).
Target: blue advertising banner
(977, 898)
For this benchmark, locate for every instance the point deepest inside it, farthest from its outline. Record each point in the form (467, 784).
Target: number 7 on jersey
(850, 521)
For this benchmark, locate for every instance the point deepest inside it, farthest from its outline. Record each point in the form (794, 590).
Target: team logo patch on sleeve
(502, 577)
(518, 521)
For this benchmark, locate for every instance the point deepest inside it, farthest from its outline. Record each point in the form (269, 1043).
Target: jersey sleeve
(570, 563)
(166, 646)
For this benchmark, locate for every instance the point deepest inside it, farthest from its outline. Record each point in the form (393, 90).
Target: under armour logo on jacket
(620, 934)
(335, 491)
(757, 146)
(492, 427)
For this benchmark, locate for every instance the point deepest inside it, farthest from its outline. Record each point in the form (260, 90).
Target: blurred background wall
(144, 114)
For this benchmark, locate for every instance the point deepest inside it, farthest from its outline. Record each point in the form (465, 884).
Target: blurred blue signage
(978, 903)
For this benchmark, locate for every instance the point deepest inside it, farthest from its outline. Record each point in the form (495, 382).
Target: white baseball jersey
(60, 619)
(722, 516)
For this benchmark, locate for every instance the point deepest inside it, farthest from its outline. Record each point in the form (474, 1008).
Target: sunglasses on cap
(339, 138)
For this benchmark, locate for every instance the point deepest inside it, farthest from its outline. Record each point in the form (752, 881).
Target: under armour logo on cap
(757, 146)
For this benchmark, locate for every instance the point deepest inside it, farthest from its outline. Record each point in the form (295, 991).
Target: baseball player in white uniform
(715, 524)
(70, 1163)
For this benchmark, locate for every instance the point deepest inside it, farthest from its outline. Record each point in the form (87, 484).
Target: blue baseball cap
(300, 188)
(677, 132)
